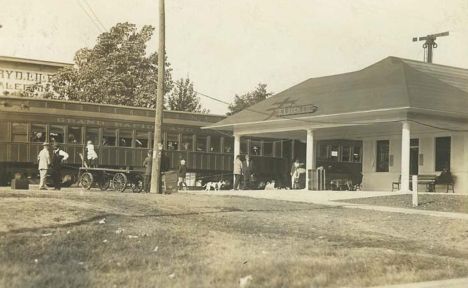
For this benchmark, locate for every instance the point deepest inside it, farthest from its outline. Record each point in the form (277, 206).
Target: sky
(227, 47)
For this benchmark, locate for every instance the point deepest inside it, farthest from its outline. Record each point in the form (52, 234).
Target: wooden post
(157, 149)
(415, 190)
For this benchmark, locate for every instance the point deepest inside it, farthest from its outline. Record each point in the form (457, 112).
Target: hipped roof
(390, 83)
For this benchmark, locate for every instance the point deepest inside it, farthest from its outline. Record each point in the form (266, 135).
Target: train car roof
(102, 108)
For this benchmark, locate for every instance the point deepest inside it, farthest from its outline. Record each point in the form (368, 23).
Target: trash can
(169, 182)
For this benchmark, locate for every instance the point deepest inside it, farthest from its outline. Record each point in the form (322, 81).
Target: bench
(427, 179)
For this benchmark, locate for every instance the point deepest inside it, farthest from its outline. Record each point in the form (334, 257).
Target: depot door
(414, 155)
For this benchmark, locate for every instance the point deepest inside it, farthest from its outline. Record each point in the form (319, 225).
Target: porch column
(310, 157)
(405, 156)
(236, 150)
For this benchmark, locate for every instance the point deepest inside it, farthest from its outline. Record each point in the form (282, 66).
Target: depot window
(383, 152)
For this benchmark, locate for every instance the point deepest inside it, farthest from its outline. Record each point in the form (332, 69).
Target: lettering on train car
(93, 122)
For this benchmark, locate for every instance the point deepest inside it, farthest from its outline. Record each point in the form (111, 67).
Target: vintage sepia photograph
(234, 143)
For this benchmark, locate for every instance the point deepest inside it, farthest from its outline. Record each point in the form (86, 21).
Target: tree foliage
(184, 98)
(241, 102)
(117, 70)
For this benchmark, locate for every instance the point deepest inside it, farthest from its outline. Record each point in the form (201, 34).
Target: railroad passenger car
(122, 136)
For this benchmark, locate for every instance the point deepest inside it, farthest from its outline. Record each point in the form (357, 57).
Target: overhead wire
(95, 16)
(98, 27)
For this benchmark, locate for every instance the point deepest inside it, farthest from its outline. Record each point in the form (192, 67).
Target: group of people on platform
(148, 164)
(50, 162)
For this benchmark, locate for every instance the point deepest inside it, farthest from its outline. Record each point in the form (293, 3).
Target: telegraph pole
(430, 43)
(157, 147)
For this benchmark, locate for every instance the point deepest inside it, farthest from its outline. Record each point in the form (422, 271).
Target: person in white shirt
(58, 156)
(91, 154)
(43, 159)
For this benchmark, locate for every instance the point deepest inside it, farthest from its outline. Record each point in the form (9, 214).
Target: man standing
(237, 172)
(247, 172)
(182, 173)
(44, 161)
(148, 163)
(295, 174)
(58, 156)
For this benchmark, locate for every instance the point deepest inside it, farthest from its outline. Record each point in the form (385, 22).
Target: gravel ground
(94, 239)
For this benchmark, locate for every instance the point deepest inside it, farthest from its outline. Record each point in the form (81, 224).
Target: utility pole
(157, 147)
(430, 43)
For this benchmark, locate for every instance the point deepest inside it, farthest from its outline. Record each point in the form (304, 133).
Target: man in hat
(43, 159)
(148, 165)
(58, 156)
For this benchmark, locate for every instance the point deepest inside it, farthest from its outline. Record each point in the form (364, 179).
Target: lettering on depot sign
(296, 110)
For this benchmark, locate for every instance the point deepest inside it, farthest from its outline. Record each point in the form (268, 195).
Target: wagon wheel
(120, 182)
(86, 180)
(137, 184)
(104, 182)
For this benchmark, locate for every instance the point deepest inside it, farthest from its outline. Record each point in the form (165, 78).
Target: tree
(249, 99)
(116, 70)
(184, 98)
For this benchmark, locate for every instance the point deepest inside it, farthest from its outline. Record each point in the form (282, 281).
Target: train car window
(92, 134)
(141, 139)
(356, 154)
(38, 133)
(201, 143)
(228, 145)
(255, 148)
(125, 138)
(4, 127)
(277, 146)
(346, 154)
(108, 137)
(74, 135)
(268, 148)
(187, 142)
(56, 134)
(215, 143)
(19, 132)
(172, 141)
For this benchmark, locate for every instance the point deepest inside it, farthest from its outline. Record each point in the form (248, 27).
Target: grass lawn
(60, 239)
(435, 202)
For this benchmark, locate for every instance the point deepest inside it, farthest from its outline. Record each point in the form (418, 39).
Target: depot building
(409, 117)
